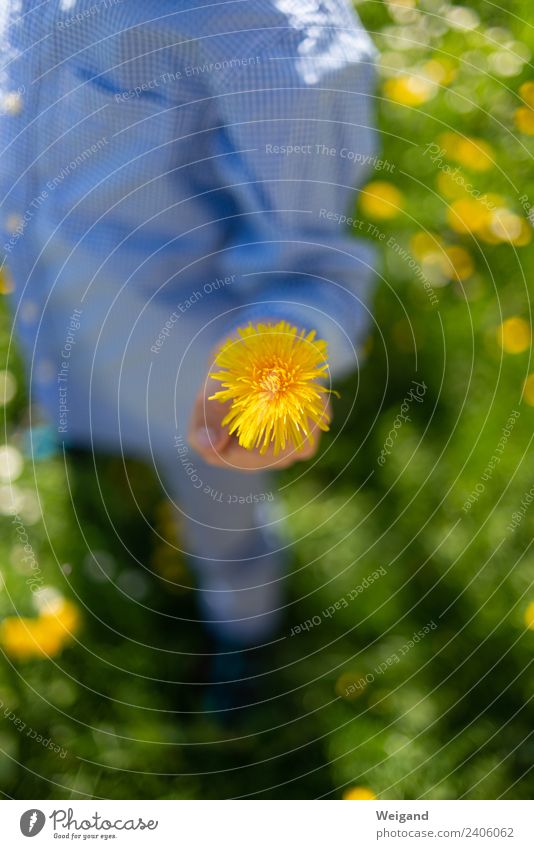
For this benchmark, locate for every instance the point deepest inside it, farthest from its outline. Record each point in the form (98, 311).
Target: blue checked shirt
(150, 147)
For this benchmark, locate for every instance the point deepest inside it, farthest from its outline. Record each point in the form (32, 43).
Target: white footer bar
(268, 824)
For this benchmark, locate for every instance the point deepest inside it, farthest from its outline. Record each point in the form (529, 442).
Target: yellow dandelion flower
(359, 793)
(350, 685)
(525, 235)
(452, 261)
(270, 375)
(514, 335)
(487, 234)
(526, 92)
(529, 616)
(475, 153)
(44, 636)
(528, 395)
(24, 638)
(6, 283)
(64, 617)
(423, 243)
(457, 263)
(467, 215)
(524, 120)
(472, 152)
(381, 199)
(441, 71)
(410, 90)
(506, 225)
(449, 187)
(475, 215)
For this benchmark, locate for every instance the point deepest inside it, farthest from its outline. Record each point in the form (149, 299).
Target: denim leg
(136, 397)
(233, 543)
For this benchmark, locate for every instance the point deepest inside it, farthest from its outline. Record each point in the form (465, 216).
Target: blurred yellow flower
(6, 283)
(350, 685)
(449, 187)
(424, 243)
(457, 263)
(525, 236)
(489, 220)
(380, 199)
(524, 116)
(440, 70)
(359, 793)
(24, 638)
(524, 120)
(453, 261)
(514, 335)
(528, 392)
(472, 152)
(410, 90)
(507, 226)
(468, 215)
(63, 616)
(44, 636)
(529, 616)
(526, 92)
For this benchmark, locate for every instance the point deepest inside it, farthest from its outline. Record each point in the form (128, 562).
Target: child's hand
(209, 439)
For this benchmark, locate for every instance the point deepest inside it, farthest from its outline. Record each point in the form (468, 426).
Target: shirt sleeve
(296, 139)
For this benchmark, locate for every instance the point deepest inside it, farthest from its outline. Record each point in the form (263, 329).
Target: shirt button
(14, 222)
(12, 103)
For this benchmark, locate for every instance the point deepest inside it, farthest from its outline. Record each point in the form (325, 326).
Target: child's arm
(297, 139)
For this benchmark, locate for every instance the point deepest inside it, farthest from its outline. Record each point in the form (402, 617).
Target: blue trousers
(133, 374)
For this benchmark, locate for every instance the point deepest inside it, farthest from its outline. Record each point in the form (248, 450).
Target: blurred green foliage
(452, 717)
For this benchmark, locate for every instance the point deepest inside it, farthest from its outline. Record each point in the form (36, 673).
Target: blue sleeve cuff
(344, 325)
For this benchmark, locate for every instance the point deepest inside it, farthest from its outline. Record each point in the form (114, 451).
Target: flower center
(274, 380)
